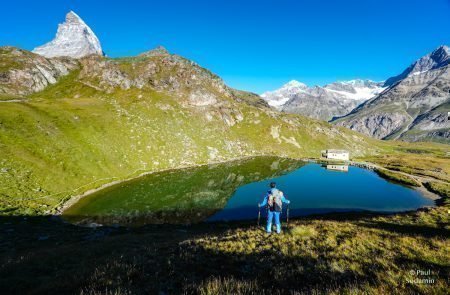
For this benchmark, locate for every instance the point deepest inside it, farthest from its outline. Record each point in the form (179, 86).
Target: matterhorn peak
(74, 38)
(72, 17)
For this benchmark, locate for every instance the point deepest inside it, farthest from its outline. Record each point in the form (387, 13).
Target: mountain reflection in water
(231, 191)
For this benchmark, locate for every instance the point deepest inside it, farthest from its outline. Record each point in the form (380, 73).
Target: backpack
(274, 201)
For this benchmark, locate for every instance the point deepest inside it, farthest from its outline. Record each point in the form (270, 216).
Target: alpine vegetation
(120, 117)
(148, 174)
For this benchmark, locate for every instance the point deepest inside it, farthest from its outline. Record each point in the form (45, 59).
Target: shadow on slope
(40, 255)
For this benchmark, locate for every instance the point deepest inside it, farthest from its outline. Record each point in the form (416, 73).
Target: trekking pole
(259, 213)
(287, 215)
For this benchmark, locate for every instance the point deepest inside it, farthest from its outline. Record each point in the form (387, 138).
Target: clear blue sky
(252, 45)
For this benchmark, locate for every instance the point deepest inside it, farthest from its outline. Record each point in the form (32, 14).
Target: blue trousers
(270, 216)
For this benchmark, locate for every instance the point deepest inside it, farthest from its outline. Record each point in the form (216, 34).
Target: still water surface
(231, 191)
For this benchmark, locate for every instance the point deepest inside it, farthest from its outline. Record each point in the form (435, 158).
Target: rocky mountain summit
(414, 108)
(440, 57)
(73, 39)
(324, 103)
(280, 97)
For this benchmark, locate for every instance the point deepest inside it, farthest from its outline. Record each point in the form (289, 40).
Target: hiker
(274, 200)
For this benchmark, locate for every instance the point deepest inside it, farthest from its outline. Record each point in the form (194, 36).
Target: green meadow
(81, 133)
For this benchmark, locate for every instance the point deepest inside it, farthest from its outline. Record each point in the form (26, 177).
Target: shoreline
(59, 210)
(74, 199)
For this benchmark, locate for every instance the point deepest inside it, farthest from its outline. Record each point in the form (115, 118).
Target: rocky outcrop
(432, 125)
(413, 109)
(435, 119)
(249, 98)
(73, 39)
(379, 124)
(22, 72)
(156, 69)
(318, 103)
(200, 98)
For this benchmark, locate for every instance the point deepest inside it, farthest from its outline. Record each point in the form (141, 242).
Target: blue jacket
(266, 198)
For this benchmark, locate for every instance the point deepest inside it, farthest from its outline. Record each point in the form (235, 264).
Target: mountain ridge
(413, 108)
(439, 57)
(322, 102)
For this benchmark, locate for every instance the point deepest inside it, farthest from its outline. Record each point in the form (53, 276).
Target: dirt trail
(14, 100)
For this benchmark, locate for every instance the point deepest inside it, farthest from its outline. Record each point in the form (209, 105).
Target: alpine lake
(231, 191)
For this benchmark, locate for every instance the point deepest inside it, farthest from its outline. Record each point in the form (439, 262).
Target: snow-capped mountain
(358, 89)
(440, 57)
(414, 108)
(280, 96)
(73, 39)
(332, 100)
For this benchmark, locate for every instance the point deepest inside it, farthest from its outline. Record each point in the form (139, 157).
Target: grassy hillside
(333, 254)
(111, 119)
(104, 122)
(423, 160)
